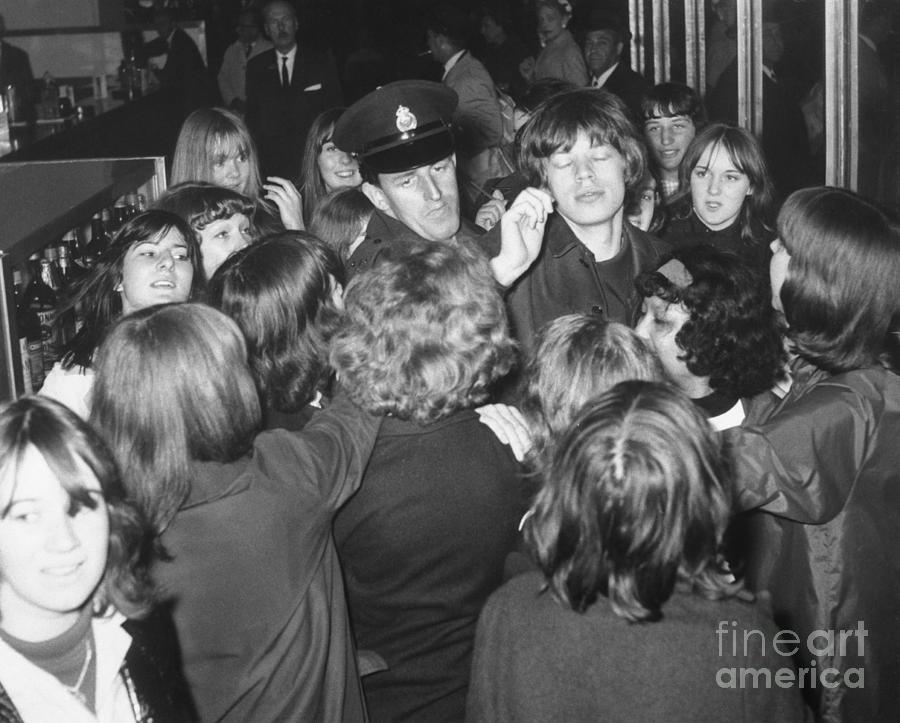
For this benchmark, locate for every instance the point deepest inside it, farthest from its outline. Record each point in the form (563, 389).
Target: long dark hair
(279, 291)
(96, 292)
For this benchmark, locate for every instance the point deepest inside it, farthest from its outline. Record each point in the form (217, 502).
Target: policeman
(401, 135)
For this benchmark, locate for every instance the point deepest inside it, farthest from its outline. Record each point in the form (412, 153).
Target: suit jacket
(233, 73)
(629, 86)
(279, 118)
(184, 69)
(478, 112)
(785, 141)
(15, 70)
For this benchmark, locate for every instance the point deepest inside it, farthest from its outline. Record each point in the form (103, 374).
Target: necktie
(247, 50)
(285, 78)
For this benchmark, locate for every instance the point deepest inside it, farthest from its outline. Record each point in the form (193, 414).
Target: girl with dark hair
(243, 515)
(822, 469)
(74, 555)
(341, 219)
(706, 316)
(153, 259)
(423, 543)
(285, 294)
(325, 168)
(731, 195)
(215, 146)
(633, 613)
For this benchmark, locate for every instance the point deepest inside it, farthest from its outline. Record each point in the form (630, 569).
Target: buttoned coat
(279, 118)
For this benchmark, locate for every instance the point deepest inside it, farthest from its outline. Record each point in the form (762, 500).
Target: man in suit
(604, 40)
(287, 87)
(184, 70)
(785, 140)
(477, 115)
(233, 73)
(15, 70)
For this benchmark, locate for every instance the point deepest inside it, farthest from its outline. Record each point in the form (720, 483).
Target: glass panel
(878, 72)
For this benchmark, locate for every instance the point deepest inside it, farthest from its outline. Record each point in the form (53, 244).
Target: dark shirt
(684, 229)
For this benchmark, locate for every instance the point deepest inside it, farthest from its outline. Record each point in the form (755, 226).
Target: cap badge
(406, 121)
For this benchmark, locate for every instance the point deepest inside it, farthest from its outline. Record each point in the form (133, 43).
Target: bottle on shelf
(42, 301)
(120, 214)
(70, 274)
(99, 241)
(29, 336)
(50, 275)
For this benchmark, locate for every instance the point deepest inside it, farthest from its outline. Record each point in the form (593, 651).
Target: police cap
(399, 126)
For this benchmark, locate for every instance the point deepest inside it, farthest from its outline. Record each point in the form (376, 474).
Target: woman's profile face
(718, 188)
(337, 168)
(53, 549)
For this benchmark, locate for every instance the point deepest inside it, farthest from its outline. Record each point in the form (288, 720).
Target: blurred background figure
(15, 70)
(233, 71)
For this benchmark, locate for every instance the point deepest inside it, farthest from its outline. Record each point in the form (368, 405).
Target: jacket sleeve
(803, 462)
(331, 452)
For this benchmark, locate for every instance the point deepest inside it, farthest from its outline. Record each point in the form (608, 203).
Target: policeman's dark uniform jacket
(399, 127)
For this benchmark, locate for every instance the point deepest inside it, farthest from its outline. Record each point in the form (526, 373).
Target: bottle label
(25, 356)
(50, 339)
(36, 366)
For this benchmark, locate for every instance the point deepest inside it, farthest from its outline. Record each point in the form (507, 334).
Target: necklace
(76, 689)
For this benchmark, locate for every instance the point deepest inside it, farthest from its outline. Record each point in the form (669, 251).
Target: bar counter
(110, 128)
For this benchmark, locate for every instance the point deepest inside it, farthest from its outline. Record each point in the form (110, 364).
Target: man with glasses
(287, 87)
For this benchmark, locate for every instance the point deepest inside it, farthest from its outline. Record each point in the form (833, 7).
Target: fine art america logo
(752, 643)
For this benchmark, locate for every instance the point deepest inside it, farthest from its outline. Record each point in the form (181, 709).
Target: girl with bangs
(632, 612)
(74, 556)
(821, 470)
(731, 195)
(424, 541)
(215, 146)
(582, 148)
(153, 259)
(221, 219)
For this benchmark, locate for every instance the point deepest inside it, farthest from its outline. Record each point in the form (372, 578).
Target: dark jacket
(822, 473)
(629, 86)
(422, 546)
(785, 140)
(258, 598)
(184, 70)
(279, 118)
(536, 661)
(565, 279)
(15, 70)
(685, 229)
